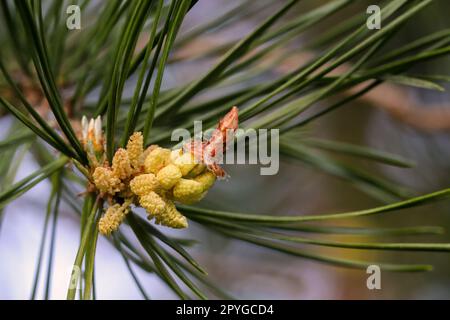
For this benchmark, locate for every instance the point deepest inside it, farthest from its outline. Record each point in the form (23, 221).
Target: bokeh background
(248, 271)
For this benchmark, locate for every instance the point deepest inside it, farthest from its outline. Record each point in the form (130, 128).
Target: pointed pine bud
(84, 128)
(91, 126)
(98, 128)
